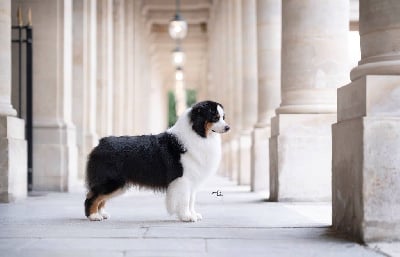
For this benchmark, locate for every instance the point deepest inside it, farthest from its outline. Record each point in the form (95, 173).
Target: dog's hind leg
(102, 211)
(90, 197)
(102, 204)
(92, 206)
(95, 202)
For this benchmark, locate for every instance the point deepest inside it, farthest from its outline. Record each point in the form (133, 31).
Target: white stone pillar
(84, 79)
(78, 80)
(269, 71)
(366, 137)
(13, 148)
(249, 88)
(229, 102)
(314, 63)
(104, 68)
(129, 67)
(90, 75)
(236, 121)
(54, 139)
(138, 71)
(119, 67)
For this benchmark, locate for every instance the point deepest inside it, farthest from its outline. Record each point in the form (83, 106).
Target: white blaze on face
(219, 126)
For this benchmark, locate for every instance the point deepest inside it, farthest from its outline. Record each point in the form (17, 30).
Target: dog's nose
(227, 128)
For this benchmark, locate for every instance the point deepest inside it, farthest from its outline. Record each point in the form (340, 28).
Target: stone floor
(238, 223)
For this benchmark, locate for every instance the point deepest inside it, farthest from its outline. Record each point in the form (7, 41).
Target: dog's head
(208, 117)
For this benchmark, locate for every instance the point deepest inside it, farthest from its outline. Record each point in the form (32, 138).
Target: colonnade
(93, 74)
(313, 137)
(275, 65)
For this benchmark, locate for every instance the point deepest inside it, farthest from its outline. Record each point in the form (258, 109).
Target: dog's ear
(198, 120)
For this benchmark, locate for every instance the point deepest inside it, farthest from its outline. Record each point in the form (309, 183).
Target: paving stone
(61, 253)
(289, 248)
(79, 231)
(242, 233)
(238, 224)
(122, 244)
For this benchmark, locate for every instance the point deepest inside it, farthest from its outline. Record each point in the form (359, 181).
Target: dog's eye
(216, 117)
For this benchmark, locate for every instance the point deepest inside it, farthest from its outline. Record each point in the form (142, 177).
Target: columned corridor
(310, 89)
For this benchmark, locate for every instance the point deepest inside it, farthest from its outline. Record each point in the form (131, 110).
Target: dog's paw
(105, 214)
(187, 217)
(198, 215)
(95, 217)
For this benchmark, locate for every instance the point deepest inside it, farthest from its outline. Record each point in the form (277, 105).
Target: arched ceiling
(158, 14)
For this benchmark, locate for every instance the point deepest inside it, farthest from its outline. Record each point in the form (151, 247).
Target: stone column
(269, 95)
(84, 79)
(130, 66)
(78, 80)
(314, 63)
(366, 137)
(104, 68)
(13, 148)
(139, 70)
(249, 89)
(229, 109)
(90, 75)
(236, 119)
(119, 64)
(54, 148)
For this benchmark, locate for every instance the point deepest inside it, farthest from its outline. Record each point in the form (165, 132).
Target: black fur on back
(201, 113)
(151, 161)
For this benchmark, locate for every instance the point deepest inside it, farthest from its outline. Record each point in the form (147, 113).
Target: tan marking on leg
(95, 205)
(100, 201)
(102, 204)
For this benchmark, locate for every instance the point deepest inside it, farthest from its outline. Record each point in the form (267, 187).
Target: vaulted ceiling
(158, 14)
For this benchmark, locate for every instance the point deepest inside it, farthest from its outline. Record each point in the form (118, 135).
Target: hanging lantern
(179, 74)
(178, 27)
(178, 57)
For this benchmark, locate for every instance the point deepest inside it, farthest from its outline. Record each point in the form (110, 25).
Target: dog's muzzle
(227, 128)
(223, 129)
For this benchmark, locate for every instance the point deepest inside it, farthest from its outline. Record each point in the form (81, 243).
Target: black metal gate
(25, 30)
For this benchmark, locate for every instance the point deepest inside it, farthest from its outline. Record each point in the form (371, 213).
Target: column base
(366, 157)
(55, 158)
(245, 158)
(13, 159)
(260, 159)
(300, 157)
(366, 178)
(6, 109)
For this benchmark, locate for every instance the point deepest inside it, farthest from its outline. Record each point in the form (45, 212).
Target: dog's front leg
(192, 203)
(178, 199)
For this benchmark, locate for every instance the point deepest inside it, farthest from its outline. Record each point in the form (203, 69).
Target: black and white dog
(177, 161)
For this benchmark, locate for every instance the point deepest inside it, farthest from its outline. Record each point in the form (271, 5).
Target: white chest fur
(203, 155)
